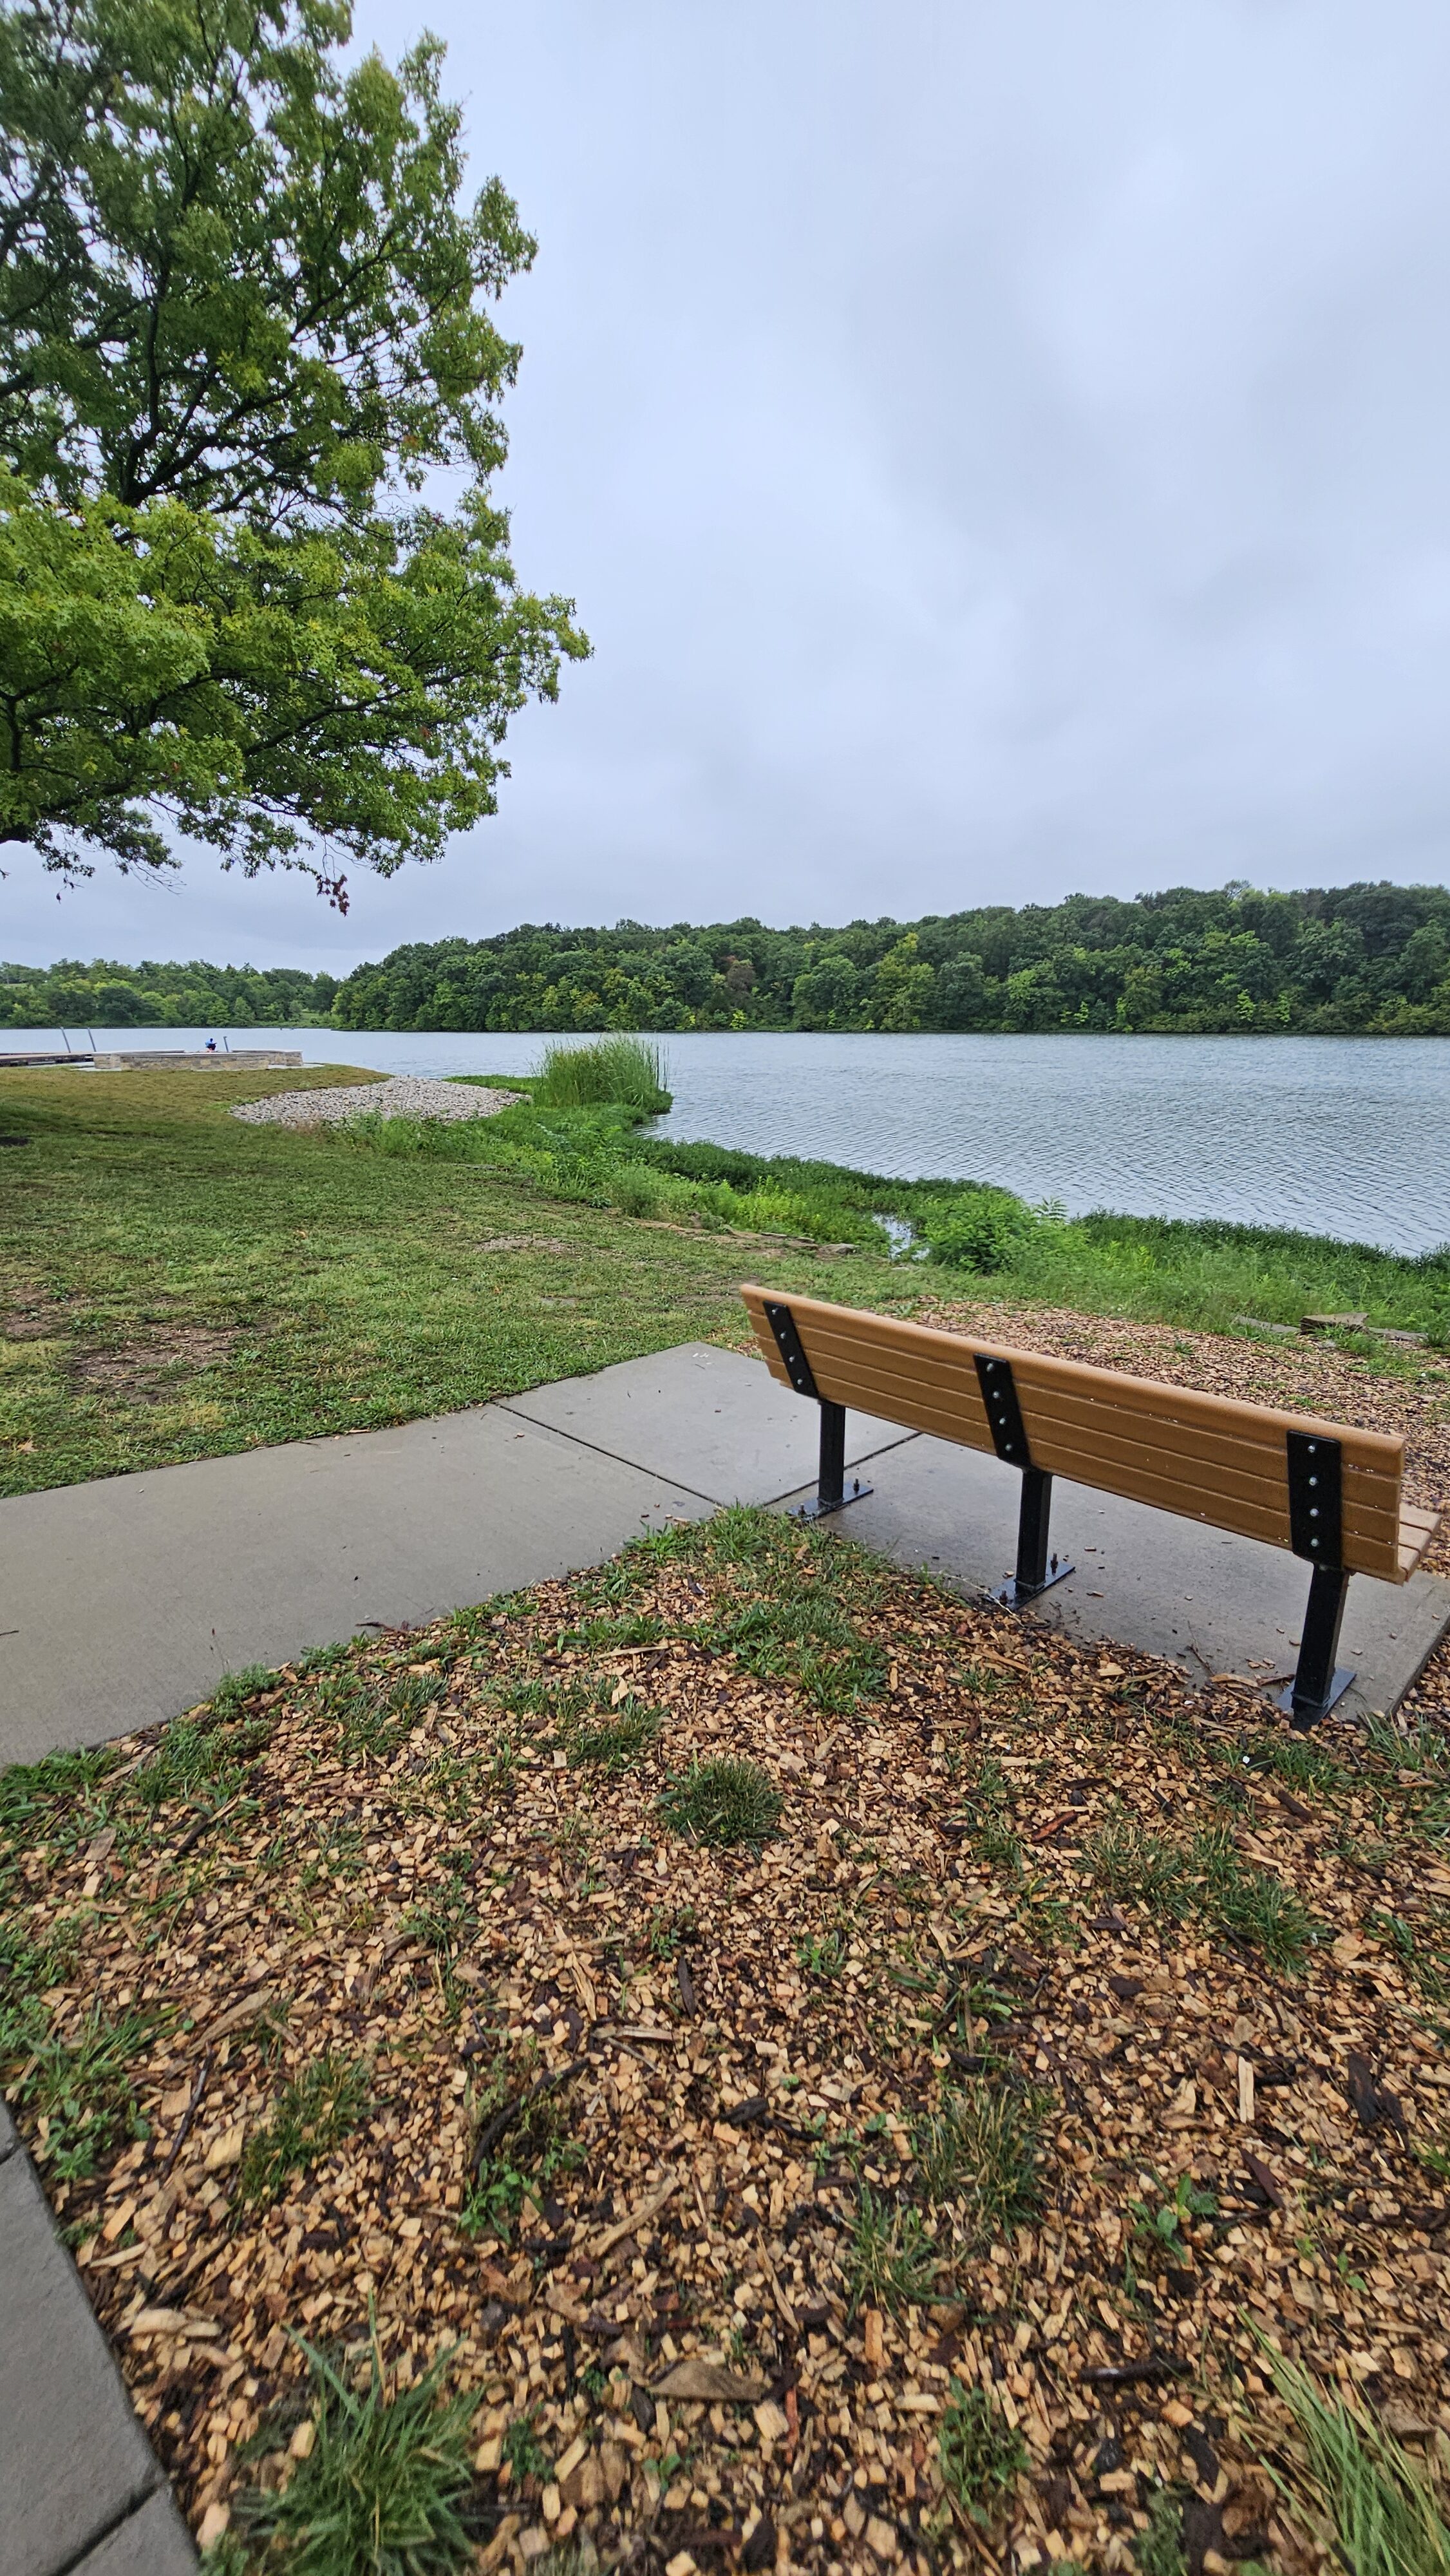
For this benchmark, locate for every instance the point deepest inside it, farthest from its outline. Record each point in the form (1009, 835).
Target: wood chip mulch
(608, 2103)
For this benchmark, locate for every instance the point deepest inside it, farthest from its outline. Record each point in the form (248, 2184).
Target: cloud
(995, 451)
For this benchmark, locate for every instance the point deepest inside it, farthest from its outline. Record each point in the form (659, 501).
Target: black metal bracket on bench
(1036, 1572)
(1315, 1469)
(832, 1492)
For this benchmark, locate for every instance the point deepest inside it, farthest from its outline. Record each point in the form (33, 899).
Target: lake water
(1344, 1136)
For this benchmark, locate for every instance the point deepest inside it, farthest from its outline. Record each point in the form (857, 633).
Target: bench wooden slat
(1076, 1419)
(933, 1351)
(1417, 1528)
(1208, 1458)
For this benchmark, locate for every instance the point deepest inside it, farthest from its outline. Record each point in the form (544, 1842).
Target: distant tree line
(1362, 960)
(104, 995)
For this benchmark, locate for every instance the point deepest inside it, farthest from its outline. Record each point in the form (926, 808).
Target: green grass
(617, 1742)
(1205, 1877)
(1354, 2485)
(981, 2456)
(890, 2261)
(983, 2151)
(179, 1285)
(807, 1640)
(381, 2492)
(627, 1069)
(373, 1724)
(1142, 1867)
(79, 2089)
(722, 1803)
(1252, 1905)
(312, 2114)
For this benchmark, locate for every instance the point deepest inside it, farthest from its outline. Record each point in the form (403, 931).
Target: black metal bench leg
(833, 1492)
(831, 1483)
(1318, 1682)
(1036, 1571)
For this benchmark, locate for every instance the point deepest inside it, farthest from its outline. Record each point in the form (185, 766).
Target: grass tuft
(235, 1689)
(807, 1641)
(890, 2261)
(1357, 2483)
(722, 1803)
(1252, 1905)
(981, 2456)
(31, 1791)
(983, 2149)
(200, 1759)
(616, 1742)
(382, 2490)
(1206, 1877)
(312, 2114)
(1140, 1866)
(629, 1070)
(79, 2088)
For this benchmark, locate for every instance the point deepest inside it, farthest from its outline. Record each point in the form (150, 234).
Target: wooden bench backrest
(1205, 1457)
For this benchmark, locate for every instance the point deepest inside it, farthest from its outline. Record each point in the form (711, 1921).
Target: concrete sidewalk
(125, 1600)
(80, 2490)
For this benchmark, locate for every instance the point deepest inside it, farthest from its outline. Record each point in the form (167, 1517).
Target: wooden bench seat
(1331, 1494)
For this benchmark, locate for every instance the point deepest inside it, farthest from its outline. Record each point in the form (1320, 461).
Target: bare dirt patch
(146, 1372)
(33, 1315)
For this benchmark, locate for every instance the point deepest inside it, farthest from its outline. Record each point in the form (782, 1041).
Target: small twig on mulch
(183, 2131)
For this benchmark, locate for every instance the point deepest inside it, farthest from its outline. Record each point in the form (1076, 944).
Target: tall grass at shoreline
(629, 1070)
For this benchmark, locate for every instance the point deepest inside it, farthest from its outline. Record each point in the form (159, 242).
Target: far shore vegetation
(179, 1284)
(1347, 961)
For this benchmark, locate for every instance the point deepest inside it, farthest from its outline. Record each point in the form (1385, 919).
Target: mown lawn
(177, 1284)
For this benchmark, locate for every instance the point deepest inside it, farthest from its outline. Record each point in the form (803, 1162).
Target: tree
(242, 324)
(903, 987)
(826, 995)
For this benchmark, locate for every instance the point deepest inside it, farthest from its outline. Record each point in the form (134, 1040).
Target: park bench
(1333, 1495)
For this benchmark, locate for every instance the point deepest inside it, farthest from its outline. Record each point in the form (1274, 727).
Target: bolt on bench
(1332, 1495)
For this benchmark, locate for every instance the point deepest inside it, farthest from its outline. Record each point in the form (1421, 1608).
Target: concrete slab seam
(717, 1502)
(117, 2523)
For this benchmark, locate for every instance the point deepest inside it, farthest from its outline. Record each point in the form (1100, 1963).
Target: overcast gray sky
(997, 447)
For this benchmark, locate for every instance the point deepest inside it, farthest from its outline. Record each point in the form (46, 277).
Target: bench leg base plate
(1016, 1596)
(1310, 1716)
(816, 1510)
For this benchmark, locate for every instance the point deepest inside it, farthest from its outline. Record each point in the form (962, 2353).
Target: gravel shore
(407, 1095)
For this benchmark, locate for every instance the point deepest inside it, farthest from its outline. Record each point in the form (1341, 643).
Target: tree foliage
(1352, 960)
(244, 327)
(158, 994)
